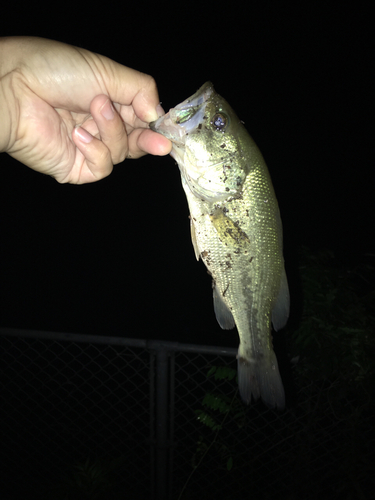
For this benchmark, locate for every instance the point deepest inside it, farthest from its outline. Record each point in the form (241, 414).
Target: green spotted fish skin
(236, 230)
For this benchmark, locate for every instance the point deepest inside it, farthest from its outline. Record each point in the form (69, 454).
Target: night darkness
(115, 257)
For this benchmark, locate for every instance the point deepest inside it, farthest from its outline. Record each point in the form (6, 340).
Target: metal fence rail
(113, 418)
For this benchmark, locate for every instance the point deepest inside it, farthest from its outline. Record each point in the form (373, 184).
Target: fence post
(162, 398)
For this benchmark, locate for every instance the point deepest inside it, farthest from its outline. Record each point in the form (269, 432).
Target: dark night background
(115, 257)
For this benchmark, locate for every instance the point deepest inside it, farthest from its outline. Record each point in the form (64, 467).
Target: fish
(236, 230)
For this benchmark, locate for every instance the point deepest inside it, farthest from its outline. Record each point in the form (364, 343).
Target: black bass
(235, 229)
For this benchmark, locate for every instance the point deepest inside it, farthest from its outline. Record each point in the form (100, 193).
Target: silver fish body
(236, 230)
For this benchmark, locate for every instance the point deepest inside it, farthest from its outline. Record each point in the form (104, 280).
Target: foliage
(332, 350)
(334, 346)
(218, 408)
(335, 338)
(88, 480)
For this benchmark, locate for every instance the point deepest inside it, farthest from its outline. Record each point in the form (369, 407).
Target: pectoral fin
(280, 312)
(194, 238)
(223, 315)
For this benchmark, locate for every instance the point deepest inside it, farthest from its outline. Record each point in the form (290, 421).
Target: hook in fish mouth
(184, 117)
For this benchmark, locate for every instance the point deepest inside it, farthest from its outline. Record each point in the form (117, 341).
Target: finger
(146, 100)
(143, 141)
(93, 162)
(129, 86)
(111, 128)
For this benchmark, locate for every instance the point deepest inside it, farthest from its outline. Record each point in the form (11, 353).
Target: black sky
(115, 257)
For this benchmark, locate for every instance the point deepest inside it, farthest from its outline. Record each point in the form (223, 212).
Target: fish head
(206, 135)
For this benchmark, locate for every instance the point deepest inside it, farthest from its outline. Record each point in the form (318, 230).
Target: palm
(46, 143)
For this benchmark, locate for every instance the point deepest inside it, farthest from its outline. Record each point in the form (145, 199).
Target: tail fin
(261, 378)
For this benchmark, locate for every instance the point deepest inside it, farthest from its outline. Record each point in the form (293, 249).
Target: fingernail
(107, 110)
(160, 111)
(154, 114)
(83, 135)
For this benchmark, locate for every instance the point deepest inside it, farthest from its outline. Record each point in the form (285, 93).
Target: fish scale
(236, 230)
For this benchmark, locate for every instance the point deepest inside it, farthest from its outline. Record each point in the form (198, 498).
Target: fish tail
(259, 378)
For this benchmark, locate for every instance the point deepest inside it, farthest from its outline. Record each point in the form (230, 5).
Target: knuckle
(117, 148)
(99, 155)
(150, 83)
(119, 156)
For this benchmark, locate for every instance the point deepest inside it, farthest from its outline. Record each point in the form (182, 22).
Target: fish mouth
(185, 117)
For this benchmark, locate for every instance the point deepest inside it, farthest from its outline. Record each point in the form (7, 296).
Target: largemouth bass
(235, 229)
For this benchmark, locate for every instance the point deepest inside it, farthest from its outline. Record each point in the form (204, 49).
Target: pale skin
(73, 114)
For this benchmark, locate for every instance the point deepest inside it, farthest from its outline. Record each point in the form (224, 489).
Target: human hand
(71, 113)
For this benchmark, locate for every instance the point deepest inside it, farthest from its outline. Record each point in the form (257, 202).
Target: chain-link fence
(88, 417)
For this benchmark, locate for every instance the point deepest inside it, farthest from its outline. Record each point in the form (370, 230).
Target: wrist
(8, 82)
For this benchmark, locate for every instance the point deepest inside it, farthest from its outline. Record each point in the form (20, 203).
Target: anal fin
(280, 311)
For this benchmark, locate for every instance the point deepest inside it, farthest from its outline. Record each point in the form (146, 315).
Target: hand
(73, 114)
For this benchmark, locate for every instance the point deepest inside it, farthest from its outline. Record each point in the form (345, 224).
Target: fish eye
(220, 121)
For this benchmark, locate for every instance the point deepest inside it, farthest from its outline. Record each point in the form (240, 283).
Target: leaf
(215, 402)
(211, 371)
(224, 372)
(207, 420)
